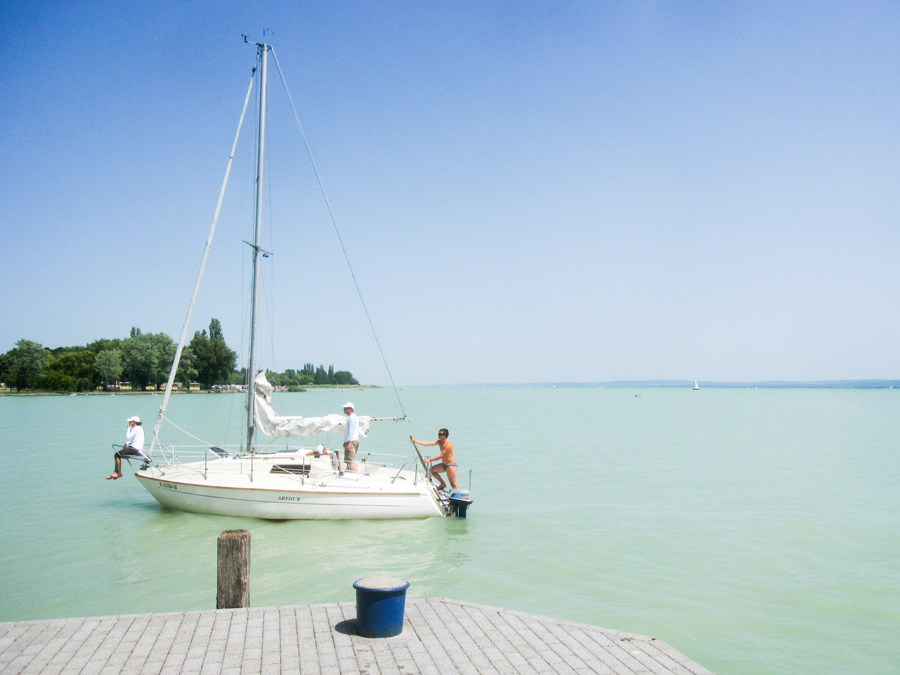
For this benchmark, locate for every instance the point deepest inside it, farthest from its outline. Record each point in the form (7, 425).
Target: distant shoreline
(617, 384)
(309, 387)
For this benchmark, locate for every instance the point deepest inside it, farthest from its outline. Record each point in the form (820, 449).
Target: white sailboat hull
(248, 488)
(290, 485)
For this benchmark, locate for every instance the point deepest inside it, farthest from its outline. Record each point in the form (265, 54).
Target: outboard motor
(459, 502)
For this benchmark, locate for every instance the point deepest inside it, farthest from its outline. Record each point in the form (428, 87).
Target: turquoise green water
(757, 531)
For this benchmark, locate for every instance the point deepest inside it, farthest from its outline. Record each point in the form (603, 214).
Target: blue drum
(380, 602)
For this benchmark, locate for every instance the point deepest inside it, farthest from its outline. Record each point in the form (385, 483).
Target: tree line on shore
(143, 360)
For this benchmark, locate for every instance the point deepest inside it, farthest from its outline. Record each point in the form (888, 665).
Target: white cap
(349, 405)
(135, 419)
(320, 448)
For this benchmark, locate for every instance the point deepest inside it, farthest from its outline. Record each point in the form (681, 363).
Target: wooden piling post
(233, 570)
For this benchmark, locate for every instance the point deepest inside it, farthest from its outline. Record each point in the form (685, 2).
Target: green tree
(108, 364)
(59, 351)
(213, 359)
(238, 376)
(28, 361)
(98, 346)
(215, 329)
(291, 378)
(70, 370)
(187, 367)
(308, 374)
(147, 358)
(321, 375)
(7, 372)
(344, 377)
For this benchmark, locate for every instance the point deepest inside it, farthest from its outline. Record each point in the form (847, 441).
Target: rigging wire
(338, 235)
(185, 431)
(187, 321)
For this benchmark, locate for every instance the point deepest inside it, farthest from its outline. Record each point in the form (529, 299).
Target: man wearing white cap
(134, 445)
(351, 436)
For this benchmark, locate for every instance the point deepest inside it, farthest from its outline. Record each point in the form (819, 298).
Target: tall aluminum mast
(257, 223)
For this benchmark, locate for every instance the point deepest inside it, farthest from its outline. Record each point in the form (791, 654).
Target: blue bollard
(380, 602)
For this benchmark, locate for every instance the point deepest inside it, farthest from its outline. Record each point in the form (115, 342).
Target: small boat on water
(303, 482)
(696, 386)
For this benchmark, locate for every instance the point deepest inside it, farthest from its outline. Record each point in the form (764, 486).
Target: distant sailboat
(696, 386)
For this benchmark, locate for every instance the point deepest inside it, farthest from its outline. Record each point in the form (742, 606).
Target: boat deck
(439, 636)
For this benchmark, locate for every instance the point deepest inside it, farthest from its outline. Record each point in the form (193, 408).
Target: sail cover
(270, 423)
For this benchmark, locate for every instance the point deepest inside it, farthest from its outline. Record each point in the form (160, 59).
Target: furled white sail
(270, 423)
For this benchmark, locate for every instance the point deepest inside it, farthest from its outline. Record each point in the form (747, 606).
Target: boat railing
(179, 455)
(183, 454)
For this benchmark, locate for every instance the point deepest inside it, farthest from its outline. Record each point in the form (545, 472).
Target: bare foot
(113, 476)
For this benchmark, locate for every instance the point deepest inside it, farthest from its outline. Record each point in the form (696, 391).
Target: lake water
(757, 531)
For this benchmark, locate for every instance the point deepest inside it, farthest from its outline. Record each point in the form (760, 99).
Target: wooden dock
(440, 636)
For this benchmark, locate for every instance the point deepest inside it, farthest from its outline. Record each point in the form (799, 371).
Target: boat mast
(257, 222)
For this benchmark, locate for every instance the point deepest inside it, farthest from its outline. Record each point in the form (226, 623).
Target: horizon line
(869, 383)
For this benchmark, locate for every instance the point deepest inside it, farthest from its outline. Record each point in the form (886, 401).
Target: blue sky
(580, 191)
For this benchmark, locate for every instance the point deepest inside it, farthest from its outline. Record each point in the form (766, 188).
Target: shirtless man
(447, 462)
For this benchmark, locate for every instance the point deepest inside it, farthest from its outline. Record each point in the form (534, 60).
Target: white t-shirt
(351, 432)
(134, 436)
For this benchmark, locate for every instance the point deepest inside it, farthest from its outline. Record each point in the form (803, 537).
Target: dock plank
(440, 637)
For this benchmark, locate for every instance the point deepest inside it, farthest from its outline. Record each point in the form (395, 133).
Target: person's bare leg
(348, 462)
(434, 472)
(118, 472)
(451, 476)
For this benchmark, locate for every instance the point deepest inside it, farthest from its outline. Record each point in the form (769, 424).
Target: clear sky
(529, 191)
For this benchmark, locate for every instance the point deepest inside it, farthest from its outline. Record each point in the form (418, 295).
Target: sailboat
(696, 386)
(293, 483)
